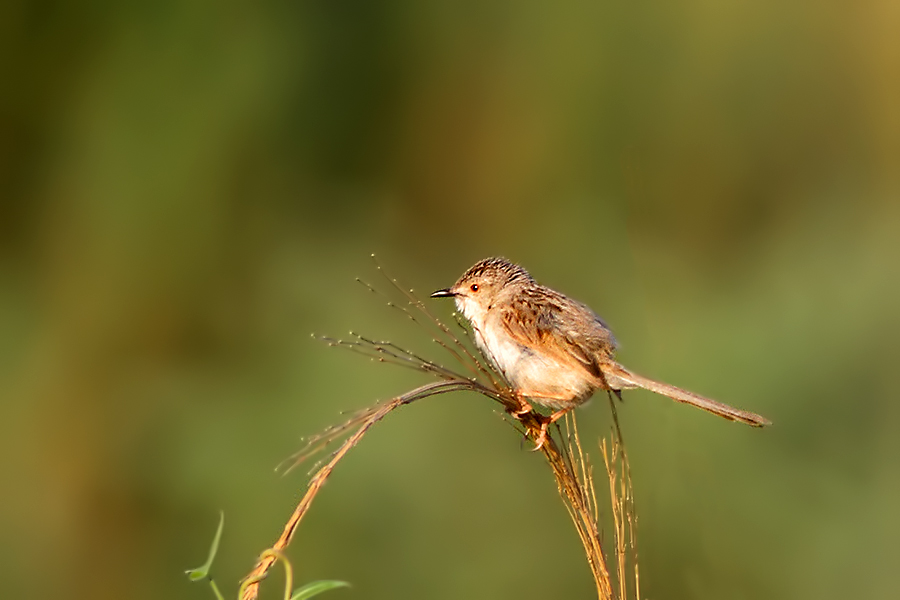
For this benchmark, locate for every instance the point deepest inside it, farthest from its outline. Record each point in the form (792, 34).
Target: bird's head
(479, 287)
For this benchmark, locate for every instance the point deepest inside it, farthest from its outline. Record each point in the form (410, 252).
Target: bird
(552, 350)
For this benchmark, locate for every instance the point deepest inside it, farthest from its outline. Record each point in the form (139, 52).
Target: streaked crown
(498, 270)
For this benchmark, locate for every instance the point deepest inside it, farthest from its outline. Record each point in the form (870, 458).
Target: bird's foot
(546, 422)
(541, 438)
(523, 409)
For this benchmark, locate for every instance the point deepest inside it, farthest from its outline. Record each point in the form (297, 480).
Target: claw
(524, 408)
(541, 439)
(546, 422)
(520, 412)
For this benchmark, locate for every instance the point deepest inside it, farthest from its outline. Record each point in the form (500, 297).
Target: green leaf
(201, 573)
(317, 587)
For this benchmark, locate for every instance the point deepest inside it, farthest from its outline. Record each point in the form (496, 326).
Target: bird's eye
(474, 287)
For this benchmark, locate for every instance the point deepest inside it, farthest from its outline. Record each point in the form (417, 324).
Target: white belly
(537, 376)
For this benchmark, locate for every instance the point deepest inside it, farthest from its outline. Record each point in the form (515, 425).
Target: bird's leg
(524, 407)
(546, 422)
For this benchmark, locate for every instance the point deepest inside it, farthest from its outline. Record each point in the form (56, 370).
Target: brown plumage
(553, 350)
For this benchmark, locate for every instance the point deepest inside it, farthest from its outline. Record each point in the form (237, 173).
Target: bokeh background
(189, 189)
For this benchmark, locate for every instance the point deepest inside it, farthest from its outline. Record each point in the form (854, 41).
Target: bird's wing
(551, 324)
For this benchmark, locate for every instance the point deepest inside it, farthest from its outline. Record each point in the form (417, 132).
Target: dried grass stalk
(568, 461)
(621, 496)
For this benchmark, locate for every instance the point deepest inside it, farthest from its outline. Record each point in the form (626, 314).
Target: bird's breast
(537, 375)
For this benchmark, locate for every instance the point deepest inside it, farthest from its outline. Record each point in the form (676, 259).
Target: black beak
(443, 294)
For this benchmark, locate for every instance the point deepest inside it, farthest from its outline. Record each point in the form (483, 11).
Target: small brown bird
(553, 351)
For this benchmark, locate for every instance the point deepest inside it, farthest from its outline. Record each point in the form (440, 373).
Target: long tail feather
(619, 377)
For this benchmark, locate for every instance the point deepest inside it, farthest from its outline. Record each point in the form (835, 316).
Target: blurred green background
(190, 188)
